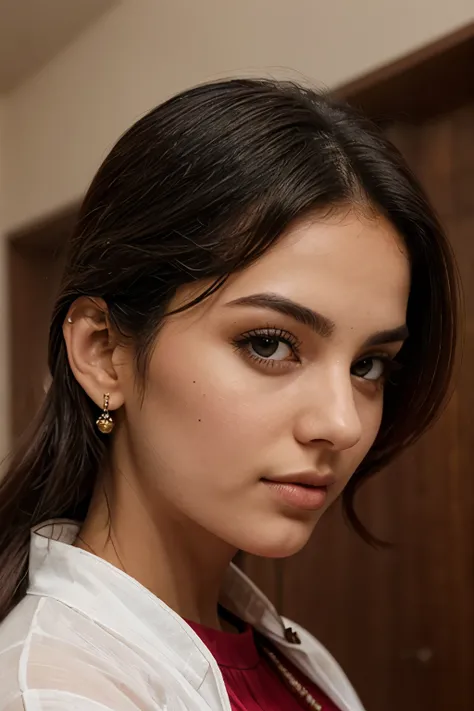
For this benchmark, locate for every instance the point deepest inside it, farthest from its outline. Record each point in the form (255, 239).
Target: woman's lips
(298, 495)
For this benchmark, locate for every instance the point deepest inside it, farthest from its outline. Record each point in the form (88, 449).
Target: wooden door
(35, 260)
(400, 621)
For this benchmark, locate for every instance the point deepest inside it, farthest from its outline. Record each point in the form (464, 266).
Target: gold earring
(105, 422)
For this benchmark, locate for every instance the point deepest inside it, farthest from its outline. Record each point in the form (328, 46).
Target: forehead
(343, 265)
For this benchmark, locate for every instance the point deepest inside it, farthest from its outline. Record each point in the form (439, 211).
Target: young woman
(257, 314)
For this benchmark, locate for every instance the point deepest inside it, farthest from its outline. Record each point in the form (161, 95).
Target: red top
(251, 681)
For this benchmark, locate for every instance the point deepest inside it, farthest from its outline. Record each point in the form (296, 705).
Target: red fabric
(251, 681)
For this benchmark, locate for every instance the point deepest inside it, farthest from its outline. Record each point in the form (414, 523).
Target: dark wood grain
(401, 621)
(33, 275)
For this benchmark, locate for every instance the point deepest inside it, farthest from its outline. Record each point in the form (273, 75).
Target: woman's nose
(328, 412)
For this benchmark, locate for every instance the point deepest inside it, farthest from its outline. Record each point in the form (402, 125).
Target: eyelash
(241, 344)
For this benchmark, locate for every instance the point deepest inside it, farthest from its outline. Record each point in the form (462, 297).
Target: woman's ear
(90, 343)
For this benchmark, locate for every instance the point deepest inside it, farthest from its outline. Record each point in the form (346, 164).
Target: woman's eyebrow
(391, 335)
(322, 325)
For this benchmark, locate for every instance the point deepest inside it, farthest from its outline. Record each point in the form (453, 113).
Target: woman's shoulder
(52, 657)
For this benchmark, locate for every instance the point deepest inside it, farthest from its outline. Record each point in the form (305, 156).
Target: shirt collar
(113, 599)
(118, 602)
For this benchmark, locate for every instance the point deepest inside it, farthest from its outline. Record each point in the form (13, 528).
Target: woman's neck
(178, 561)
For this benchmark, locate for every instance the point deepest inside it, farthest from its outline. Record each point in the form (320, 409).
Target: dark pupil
(363, 367)
(264, 347)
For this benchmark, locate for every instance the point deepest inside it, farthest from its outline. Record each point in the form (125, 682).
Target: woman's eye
(270, 348)
(372, 368)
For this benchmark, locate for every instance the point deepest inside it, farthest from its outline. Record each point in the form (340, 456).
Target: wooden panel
(35, 258)
(33, 274)
(401, 621)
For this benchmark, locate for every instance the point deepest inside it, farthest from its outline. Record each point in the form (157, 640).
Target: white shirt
(88, 637)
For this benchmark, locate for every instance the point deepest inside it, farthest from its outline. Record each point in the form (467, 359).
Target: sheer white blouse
(88, 637)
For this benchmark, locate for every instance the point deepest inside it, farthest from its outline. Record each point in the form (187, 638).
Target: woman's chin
(277, 541)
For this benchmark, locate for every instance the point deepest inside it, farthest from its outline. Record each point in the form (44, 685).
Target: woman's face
(261, 402)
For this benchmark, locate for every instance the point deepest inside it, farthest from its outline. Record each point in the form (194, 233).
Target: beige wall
(58, 125)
